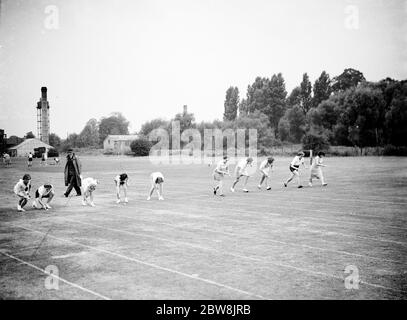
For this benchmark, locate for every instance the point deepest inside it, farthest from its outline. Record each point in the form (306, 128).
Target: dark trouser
(72, 184)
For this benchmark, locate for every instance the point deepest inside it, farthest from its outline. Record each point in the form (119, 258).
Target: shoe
(245, 190)
(299, 187)
(285, 185)
(214, 191)
(84, 203)
(118, 201)
(268, 188)
(310, 184)
(20, 209)
(33, 205)
(231, 189)
(149, 198)
(160, 198)
(126, 200)
(259, 186)
(65, 195)
(48, 206)
(92, 204)
(324, 184)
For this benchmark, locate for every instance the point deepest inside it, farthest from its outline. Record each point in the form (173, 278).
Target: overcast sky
(148, 58)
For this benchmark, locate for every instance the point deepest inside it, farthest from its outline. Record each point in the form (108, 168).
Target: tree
(54, 140)
(151, 125)
(29, 135)
(231, 104)
(305, 94)
(294, 97)
(243, 110)
(296, 121)
(276, 100)
(315, 142)
(284, 129)
(322, 89)
(362, 116)
(348, 79)
(116, 123)
(269, 97)
(89, 136)
(396, 117)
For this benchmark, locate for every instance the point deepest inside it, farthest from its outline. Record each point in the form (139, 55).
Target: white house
(27, 146)
(119, 144)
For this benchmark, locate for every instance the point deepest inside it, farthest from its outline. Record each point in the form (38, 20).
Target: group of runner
(242, 172)
(85, 187)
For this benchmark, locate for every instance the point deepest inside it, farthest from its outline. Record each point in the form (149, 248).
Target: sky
(148, 58)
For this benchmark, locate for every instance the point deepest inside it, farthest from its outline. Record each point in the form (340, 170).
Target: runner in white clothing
(219, 173)
(294, 168)
(157, 180)
(265, 168)
(45, 191)
(88, 187)
(241, 170)
(316, 169)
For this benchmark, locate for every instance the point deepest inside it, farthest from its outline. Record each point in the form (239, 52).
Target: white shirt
(156, 175)
(87, 182)
(316, 163)
(265, 165)
(22, 189)
(297, 161)
(221, 167)
(42, 191)
(243, 164)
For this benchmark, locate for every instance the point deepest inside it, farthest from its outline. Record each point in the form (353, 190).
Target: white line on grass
(212, 250)
(279, 214)
(224, 233)
(56, 277)
(148, 264)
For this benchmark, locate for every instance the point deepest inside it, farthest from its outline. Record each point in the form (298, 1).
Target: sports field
(286, 243)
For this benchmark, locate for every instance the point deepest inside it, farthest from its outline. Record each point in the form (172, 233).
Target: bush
(314, 142)
(390, 150)
(141, 147)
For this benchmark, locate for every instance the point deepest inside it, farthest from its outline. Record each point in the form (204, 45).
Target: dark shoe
(214, 191)
(268, 188)
(300, 187)
(65, 195)
(285, 185)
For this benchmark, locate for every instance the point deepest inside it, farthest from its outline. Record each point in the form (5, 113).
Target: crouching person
(88, 186)
(22, 190)
(43, 196)
(157, 180)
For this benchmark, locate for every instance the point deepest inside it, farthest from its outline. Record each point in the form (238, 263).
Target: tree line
(345, 110)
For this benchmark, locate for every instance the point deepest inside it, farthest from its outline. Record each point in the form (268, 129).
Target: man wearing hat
(72, 173)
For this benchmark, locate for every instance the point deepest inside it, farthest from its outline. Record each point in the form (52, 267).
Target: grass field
(286, 243)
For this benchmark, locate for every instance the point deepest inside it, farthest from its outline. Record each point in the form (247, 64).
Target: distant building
(27, 146)
(119, 144)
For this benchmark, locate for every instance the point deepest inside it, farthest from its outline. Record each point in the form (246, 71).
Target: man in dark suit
(72, 173)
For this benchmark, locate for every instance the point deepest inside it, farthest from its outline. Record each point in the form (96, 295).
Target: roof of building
(123, 137)
(34, 142)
